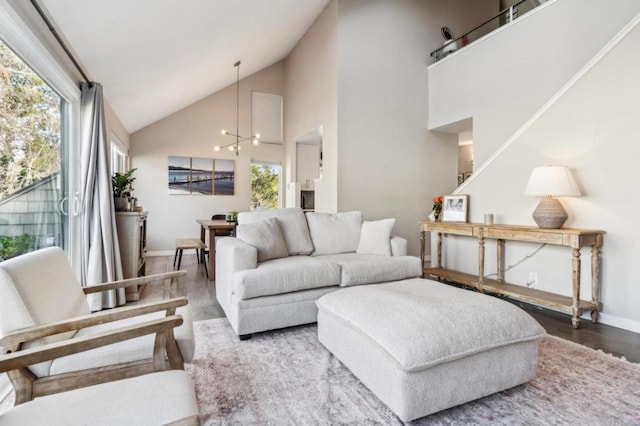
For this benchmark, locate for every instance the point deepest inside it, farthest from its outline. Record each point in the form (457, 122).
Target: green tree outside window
(264, 186)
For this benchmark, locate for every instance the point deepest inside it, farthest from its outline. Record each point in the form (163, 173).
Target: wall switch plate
(533, 279)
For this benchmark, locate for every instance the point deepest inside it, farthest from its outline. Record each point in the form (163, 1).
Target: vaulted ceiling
(155, 57)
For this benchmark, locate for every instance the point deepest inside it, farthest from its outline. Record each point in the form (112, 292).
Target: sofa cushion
(285, 275)
(292, 224)
(357, 269)
(265, 236)
(375, 237)
(333, 233)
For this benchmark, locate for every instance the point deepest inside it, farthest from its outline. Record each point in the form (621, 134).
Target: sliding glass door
(33, 178)
(39, 110)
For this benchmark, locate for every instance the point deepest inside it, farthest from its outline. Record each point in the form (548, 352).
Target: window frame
(18, 36)
(119, 156)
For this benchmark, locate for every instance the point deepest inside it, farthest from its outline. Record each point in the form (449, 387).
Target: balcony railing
(503, 18)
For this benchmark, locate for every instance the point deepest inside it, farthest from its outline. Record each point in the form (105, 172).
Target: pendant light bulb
(216, 148)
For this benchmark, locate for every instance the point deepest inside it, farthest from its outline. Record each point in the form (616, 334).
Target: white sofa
(281, 261)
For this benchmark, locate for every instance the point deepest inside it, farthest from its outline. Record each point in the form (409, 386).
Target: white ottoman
(422, 346)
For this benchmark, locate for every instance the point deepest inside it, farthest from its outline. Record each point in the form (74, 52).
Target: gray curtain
(100, 251)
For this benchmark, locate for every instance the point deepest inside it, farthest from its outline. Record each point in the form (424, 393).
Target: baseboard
(619, 322)
(160, 253)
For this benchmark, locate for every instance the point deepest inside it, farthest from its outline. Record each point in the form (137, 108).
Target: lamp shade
(556, 181)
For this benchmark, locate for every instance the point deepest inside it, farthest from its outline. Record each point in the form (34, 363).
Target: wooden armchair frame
(166, 354)
(18, 361)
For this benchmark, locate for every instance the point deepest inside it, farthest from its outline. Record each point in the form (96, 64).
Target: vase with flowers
(437, 207)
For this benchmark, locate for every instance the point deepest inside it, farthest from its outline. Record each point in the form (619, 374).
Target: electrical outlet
(533, 279)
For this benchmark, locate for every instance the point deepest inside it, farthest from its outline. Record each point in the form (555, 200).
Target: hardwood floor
(201, 294)
(615, 341)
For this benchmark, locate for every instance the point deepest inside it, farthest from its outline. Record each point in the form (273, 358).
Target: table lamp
(549, 182)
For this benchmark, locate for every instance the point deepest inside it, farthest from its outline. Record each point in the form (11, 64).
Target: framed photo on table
(455, 208)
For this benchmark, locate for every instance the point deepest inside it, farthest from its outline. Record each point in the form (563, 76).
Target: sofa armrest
(237, 254)
(232, 255)
(398, 246)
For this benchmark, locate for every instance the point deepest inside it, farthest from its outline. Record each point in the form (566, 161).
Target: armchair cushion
(53, 292)
(292, 223)
(153, 399)
(375, 237)
(265, 236)
(334, 232)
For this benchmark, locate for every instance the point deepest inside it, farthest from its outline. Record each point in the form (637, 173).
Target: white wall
(502, 79)
(311, 102)
(389, 164)
(193, 132)
(115, 126)
(593, 129)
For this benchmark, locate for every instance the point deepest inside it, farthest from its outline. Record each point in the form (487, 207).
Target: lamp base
(550, 214)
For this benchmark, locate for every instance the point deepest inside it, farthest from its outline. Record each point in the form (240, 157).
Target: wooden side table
(572, 238)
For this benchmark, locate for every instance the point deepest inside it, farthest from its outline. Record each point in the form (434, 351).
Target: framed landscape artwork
(455, 208)
(190, 175)
(224, 177)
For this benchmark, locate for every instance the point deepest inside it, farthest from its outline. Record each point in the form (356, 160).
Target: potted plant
(232, 216)
(122, 188)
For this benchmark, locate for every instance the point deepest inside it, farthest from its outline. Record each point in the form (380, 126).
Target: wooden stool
(189, 243)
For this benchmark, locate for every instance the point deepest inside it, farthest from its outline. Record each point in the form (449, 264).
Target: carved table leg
(500, 260)
(575, 307)
(595, 280)
(480, 263)
(212, 254)
(439, 248)
(422, 251)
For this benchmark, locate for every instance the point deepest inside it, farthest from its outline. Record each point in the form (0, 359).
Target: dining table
(215, 228)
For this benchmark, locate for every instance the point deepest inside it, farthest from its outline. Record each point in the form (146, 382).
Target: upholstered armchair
(164, 397)
(42, 303)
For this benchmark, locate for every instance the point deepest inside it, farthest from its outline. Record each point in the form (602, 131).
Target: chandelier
(235, 146)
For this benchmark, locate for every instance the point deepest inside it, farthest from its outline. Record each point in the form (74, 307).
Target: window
(265, 185)
(31, 152)
(119, 156)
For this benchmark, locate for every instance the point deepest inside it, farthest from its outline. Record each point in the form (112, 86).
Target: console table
(573, 238)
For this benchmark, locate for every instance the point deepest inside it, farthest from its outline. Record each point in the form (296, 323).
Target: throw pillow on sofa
(266, 237)
(334, 233)
(375, 237)
(292, 224)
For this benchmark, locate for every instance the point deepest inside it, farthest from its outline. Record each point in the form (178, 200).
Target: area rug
(286, 377)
